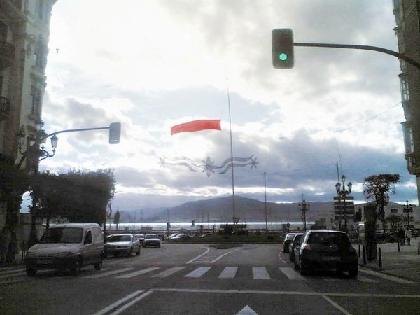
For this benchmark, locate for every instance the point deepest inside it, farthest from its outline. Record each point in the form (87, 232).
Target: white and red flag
(196, 125)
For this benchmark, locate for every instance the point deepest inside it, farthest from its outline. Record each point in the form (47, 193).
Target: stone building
(407, 30)
(24, 34)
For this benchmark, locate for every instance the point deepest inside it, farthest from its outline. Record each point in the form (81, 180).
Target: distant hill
(220, 209)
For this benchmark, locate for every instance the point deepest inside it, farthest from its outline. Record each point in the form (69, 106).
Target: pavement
(200, 279)
(404, 264)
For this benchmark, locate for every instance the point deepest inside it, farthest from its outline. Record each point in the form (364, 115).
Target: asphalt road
(198, 279)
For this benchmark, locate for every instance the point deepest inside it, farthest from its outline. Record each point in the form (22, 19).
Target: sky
(154, 64)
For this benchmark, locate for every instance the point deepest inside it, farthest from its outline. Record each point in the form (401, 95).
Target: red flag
(196, 125)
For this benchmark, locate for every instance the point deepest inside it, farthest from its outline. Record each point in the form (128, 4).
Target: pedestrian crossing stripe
(260, 273)
(168, 272)
(228, 273)
(198, 272)
(136, 273)
(109, 273)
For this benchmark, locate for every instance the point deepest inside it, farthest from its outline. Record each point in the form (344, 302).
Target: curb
(377, 269)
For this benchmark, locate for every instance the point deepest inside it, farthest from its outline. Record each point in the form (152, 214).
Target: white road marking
(385, 276)
(223, 255)
(199, 256)
(247, 311)
(268, 292)
(136, 273)
(109, 273)
(260, 273)
(228, 273)
(337, 306)
(291, 273)
(134, 301)
(117, 303)
(197, 273)
(15, 274)
(168, 272)
(368, 280)
(11, 271)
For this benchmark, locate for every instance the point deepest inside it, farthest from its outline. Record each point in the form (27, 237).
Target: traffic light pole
(363, 47)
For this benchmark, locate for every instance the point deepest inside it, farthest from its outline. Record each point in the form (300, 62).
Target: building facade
(407, 30)
(24, 34)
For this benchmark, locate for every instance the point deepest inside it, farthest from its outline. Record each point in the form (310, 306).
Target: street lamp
(342, 193)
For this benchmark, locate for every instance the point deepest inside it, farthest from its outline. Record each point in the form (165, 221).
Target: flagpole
(231, 159)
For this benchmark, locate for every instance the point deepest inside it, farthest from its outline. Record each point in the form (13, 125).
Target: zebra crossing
(259, 273)
(222, 273)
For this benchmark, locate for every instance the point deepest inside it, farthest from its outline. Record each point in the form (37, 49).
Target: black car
(296, 241)
(287, 240)
(326, 249)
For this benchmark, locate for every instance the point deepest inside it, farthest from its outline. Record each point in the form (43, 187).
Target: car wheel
(31, 272)
(98, 265)
(130, 252)
(353, 271)
(75, 270)
(138, 251)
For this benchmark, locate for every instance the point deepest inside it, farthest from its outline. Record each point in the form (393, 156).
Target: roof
(326, 231)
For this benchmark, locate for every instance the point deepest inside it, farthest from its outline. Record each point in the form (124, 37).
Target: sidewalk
(404, 264)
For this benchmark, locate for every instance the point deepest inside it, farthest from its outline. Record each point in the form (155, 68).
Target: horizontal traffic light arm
(72, 130)
(363, 47)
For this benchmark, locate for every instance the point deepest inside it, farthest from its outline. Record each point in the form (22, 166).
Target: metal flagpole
(231, 160)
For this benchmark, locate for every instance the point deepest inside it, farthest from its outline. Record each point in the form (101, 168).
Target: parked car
(151, 240)
(67, 246)
(180, 237)
(326, 249)
(140, 237)
(287, 240)
(122, 244)
(296, 241)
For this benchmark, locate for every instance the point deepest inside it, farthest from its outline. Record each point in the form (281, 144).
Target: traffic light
(282, 46)
(114, 132)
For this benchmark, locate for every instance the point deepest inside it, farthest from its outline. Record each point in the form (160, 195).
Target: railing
(7, 54)
(4, 107)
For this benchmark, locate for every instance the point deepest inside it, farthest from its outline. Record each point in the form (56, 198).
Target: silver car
(151, 240)
(122, 244)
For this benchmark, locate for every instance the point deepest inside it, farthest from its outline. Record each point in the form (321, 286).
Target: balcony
(4, 107)
(7, 54)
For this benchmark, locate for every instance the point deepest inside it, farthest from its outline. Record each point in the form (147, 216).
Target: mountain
(220, 209)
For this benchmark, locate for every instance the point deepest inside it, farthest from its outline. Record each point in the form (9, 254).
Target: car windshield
(297, 238)
(65, 235)
(329, 238)
(119, 238)
(150, 236)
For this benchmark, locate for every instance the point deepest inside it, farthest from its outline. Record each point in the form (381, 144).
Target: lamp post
(36, 151)
(265, 202)
(342, 194)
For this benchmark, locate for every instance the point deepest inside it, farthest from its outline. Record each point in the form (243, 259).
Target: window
(88, 237)
(40, 9)
(405, 94)
(3, 32)
(66, 235)
(36, 100)
(40, 52)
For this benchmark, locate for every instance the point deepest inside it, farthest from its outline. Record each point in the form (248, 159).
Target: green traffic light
(283, 56)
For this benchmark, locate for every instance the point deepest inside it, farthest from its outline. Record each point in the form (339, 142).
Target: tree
(117, 218)
(78, 196)
(395, 222)
(376, 187)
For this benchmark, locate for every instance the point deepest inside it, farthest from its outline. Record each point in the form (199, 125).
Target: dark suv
(326, 249)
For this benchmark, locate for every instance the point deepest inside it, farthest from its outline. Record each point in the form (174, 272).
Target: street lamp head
(349, 185)
(54, 140)
(337, 187)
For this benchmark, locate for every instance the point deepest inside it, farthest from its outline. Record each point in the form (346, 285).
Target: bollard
(380, 258)
(358, 250)
(364, 255)
(399, 248)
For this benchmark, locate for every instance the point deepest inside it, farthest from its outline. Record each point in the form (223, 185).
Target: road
(198, 279)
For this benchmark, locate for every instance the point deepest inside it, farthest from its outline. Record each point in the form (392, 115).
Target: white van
(67, 246)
